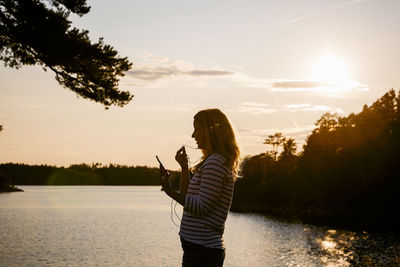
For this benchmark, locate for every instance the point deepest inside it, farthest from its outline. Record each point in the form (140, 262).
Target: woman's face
(199, 135)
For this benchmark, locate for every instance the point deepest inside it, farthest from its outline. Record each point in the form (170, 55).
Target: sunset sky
(269, 65)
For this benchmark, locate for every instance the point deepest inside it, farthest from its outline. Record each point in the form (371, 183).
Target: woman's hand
(181, 158)
(163, 178)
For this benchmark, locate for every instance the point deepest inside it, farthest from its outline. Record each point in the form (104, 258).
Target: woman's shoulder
(217, 158)
(217, 162)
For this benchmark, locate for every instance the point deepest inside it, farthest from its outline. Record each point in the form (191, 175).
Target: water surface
(132, 226)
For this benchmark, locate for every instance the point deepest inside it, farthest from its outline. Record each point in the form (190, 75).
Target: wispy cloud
(285, 131)
(254, 136)
(305, 84)
(311, 14)
(256, 108)
(294, 20)
(314, 108)
(324, 109)
(297, 106)
(348, 3)
(183, 107)
(150, 67)
(312, 85)
(156, 73)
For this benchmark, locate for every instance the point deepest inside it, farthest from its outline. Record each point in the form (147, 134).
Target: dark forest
(347, 173)
(79, 174)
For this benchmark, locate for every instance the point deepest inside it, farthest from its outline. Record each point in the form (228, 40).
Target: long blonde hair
(219, 137)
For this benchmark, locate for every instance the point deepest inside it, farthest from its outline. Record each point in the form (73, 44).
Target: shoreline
(358, 222)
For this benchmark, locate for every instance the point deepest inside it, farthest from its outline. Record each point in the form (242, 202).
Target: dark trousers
(196, 255)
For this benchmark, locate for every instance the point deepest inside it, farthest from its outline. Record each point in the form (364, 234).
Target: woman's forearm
(177, 196)
(184, 181)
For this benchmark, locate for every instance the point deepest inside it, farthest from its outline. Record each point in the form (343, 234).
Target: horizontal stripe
(214, 172)
(204, 236)
(203, 239)
(207, 203)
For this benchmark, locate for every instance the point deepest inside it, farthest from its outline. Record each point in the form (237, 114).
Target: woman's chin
(199, 145)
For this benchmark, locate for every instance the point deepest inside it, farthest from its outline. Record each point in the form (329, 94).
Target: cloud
(183, 107)
(256, 108)
(258, 135)
(319, 86)
(348, 3)
(156, 73)
(304, 84)
(308, 107)
(311, 14)
(150, 67)
(150, 75)
(297, 19)
(324, 109)
(255, 104)
(208, 72)
(296, 106)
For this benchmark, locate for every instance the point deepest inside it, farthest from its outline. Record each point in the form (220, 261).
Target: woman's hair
(219, 138)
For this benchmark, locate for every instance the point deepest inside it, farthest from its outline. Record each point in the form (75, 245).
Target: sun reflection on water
(347, 248)
(328, 245)
(332, 250)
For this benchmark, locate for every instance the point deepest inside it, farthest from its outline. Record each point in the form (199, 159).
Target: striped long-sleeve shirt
(207, 203)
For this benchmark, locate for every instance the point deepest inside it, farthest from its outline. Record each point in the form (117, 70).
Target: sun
(332, 75)
(332, 70)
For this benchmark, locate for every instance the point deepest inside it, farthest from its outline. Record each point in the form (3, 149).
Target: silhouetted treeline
(82, 174)
(348, 172)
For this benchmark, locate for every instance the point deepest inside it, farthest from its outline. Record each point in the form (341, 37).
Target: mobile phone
(162, 166)
(165, 170)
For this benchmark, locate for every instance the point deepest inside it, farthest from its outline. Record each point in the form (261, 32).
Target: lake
(132, 226)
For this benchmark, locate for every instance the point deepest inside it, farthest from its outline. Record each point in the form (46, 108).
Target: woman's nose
(193, 135)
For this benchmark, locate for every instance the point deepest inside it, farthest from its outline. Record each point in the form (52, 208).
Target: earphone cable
(172, 217)
(173, 207)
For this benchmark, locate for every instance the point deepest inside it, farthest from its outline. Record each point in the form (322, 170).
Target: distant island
(6, 184)
(9, 188)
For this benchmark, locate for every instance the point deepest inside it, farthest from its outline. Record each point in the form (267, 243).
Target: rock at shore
(10, 188)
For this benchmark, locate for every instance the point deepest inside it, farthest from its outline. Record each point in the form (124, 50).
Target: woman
(207, 196)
